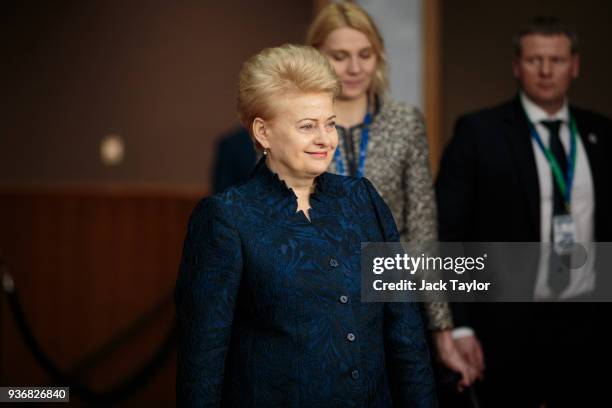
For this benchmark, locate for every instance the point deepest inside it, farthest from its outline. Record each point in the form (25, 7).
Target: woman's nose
(324, 136)
(354, 65)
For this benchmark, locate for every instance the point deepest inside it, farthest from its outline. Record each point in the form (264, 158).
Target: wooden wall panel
(432, 77)
(86, 263)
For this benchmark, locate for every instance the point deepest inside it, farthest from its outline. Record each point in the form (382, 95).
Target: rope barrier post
(120, 391)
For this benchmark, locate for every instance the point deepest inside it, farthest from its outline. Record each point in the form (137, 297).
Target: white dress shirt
(582, 200)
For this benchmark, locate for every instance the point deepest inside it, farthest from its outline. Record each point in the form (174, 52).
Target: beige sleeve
(420, 209)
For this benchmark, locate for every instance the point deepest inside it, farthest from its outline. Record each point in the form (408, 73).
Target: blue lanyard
(566, 185)
(363, 149)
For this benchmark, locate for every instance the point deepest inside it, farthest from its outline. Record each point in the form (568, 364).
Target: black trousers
(552, 354)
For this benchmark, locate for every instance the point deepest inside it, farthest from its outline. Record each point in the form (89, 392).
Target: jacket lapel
(596, 161)
(519, 140)
(590, 141)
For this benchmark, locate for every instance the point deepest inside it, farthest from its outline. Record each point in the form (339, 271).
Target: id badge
(564, 233)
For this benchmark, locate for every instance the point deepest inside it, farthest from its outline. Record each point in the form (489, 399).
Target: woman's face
(301, 137)
(352, 56)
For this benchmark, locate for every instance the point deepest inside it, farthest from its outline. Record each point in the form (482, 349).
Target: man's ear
(260, 132)
(575, 65)
(515, 67)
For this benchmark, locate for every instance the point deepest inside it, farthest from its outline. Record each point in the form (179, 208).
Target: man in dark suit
(510, 174)
(234, 160)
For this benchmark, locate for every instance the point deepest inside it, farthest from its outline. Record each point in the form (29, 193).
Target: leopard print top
(398, 165)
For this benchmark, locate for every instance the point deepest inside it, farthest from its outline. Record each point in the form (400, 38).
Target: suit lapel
(590, 141)
(596, 162)
(519, 140)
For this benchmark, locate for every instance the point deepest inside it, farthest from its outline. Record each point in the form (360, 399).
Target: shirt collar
(537, 114)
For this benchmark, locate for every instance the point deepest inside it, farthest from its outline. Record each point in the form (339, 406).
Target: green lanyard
(565, 184)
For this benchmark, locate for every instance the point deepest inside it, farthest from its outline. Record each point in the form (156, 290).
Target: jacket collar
(279, 197)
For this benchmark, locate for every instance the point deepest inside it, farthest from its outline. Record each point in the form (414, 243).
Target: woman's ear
(260, 132)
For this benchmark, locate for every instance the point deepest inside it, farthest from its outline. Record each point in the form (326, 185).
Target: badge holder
(564, 233)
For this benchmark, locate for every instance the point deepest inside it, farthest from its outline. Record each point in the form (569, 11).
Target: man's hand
(471, 351)
(451, 357)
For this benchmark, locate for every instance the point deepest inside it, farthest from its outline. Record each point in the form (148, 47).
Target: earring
(265, 151)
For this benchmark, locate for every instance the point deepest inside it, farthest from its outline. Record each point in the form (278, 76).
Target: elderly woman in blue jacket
(268, 293)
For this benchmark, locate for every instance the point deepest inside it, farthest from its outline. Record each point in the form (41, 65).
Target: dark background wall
(162, 74)
(477, 52)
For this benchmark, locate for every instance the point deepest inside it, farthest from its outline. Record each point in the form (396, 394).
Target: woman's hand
(470, 349)
(451, 357)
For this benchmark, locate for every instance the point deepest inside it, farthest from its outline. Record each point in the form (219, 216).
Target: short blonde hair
(281, 70)
(345, 14)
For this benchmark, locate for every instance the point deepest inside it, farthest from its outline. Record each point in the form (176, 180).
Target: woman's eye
(338, 57)
(307, 127)
(331, 125)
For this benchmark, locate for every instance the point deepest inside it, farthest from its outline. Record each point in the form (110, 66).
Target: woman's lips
(318, 155)
(352, 84)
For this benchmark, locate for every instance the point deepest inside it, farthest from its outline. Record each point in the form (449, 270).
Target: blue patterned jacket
(269, 303)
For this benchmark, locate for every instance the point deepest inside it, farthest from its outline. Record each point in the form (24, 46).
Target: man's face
(545, 69)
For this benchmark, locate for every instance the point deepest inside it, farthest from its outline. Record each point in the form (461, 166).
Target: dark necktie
(558, 265)
(556, 148)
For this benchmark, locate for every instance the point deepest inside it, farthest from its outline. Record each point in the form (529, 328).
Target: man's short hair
(545, 25)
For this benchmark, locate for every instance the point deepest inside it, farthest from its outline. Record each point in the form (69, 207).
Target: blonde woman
(268, 294)
(384, 141)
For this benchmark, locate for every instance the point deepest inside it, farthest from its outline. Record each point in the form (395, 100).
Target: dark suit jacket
(488, 191)
(269, 303)
(487, 188)
(234, 160)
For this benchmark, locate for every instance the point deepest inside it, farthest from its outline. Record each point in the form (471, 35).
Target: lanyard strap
(565, 184)
(363, 149)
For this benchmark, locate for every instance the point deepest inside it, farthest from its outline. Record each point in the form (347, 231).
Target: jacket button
(333, 262)
(350, 337)
(355, 374)
(343, 299)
